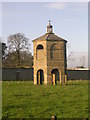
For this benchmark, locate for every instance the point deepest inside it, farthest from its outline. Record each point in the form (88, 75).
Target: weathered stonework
(50, 62)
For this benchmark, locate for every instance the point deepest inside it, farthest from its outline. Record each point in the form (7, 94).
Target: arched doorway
(40, 76)
(55, 76)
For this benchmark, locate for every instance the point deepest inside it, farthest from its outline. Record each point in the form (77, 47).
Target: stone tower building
(50, 62)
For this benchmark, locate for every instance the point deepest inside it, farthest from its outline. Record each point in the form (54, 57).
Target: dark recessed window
(39, 47)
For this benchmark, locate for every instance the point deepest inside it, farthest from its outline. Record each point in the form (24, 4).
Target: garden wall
(17, 74)
(27, 74)
(78, 74)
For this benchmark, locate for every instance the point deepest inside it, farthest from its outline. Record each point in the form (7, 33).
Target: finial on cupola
(49, 27)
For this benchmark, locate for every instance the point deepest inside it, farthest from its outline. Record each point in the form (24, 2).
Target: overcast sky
(69, 20)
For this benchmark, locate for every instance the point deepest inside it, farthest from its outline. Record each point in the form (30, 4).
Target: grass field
(24, 100)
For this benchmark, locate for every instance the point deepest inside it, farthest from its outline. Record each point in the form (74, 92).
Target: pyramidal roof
(50, 35)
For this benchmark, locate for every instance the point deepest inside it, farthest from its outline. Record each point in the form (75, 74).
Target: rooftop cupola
(49, 27)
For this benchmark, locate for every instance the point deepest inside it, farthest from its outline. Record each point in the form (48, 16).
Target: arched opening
(55, 76)
(40, 47)
(39, 52)
(40, 76)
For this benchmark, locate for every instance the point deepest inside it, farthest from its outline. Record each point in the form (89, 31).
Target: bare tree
(18, 43)
(70, 57)
(82, 60)
(12, 61)
(4, 48)
(70, 54)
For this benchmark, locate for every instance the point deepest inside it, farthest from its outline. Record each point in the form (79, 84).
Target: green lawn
(24, 100)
